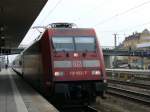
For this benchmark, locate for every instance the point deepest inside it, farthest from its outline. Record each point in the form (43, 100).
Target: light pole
(115, 44)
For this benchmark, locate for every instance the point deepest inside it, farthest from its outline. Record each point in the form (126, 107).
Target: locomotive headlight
(75, 54)
(59, 74)
(96, 72)
(105, 81)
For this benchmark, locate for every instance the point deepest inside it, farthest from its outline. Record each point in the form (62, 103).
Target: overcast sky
(106, 16)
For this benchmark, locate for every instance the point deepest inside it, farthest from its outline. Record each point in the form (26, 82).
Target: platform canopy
(16, 17)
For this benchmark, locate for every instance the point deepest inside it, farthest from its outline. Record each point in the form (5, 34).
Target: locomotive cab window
(74, 43)
(85, 44)
(63, 43)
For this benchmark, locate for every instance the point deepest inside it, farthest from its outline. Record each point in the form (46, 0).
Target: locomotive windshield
(63, 43)
(74, 43)
(84, 43)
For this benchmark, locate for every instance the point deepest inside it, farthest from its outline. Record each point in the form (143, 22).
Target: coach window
(63, 43)
(14, 63)
(20, 63)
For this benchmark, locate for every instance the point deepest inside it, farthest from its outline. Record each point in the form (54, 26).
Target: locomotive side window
(85, 44)
(63, 43)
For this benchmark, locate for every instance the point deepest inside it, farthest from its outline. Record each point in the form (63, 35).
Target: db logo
(77, 64)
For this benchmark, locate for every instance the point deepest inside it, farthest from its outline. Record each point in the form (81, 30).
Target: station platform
(17, 96)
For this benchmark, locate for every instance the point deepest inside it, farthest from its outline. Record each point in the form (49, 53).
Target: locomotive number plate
(78, 73)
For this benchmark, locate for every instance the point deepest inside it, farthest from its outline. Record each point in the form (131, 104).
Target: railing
(130, 71)
(126, 52)
(9, 51)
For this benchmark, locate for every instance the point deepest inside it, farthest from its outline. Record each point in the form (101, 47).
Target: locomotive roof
(70, 31)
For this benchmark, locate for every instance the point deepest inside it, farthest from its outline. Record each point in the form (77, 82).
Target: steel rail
(131, 95)
(129, 71)
(90, 109)
(78, 108)
(134, 84)
(143, 78)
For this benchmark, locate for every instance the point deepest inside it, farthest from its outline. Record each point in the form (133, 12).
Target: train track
(134, 84)
(143, 78)
(128, 94)
(77, 108)
(90, 109)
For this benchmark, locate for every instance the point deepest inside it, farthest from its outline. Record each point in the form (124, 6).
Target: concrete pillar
(108, 61)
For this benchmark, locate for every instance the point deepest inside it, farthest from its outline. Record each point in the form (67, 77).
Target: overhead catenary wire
(127, 28)
(90, 11)
(121, 13)
(125, 34)
(45, 18)
(52, 10)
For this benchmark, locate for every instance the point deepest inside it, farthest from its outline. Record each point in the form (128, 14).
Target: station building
(138, 41)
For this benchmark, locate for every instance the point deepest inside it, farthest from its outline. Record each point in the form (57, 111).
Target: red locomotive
(64, 63)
